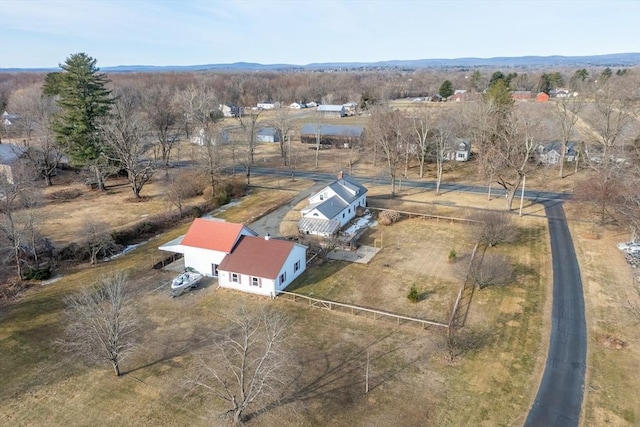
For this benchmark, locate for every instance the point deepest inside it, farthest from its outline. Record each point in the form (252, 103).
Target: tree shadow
(340, 380)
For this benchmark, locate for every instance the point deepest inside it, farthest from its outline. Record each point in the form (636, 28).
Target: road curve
(559, 399)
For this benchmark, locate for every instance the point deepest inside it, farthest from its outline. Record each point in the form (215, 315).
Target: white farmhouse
(333, 206)
(240, 259)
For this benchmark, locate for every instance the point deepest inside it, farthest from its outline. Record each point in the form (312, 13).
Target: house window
(296, 266)
(283, 277)
(349, 210)
(255, 281)
(235, 278)
(342, 214)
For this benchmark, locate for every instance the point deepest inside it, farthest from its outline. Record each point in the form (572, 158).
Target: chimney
(267, 236)
(340, 175)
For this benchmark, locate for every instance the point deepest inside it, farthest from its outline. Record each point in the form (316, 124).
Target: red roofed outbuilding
(238, 257)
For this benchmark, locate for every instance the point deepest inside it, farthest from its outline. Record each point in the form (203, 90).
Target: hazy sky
(42, 33)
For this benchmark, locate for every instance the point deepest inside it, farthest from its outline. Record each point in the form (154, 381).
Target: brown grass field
(412, 381)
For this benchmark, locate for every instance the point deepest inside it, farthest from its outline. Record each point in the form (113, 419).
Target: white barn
(333, 206)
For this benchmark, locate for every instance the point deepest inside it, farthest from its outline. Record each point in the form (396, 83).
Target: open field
(501, 362)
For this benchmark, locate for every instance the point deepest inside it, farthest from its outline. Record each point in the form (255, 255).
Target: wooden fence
(428, 216)
(356, 310)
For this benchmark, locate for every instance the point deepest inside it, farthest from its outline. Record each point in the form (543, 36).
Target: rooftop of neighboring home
(9, 153)
(258, 256)
(332, 130)
(333, 108)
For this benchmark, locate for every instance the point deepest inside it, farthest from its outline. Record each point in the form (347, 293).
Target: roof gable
(258, 257)
(214, 235)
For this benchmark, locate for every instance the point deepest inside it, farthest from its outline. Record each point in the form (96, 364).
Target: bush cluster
(388, 217)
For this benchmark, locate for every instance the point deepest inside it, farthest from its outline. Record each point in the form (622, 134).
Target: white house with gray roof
(332, 207)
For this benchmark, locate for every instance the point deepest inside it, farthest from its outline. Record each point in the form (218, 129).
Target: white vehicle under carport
(188, 279)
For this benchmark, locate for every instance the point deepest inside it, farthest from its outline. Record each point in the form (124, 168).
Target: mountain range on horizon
(608, 60)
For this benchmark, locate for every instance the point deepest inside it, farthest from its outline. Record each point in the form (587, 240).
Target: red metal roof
(214, 235)
(258, 257)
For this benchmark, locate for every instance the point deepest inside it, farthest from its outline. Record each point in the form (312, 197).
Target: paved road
(559, 397)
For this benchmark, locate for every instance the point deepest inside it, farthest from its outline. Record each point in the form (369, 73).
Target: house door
(214, 270)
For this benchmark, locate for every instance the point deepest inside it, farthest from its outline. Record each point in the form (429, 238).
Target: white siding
(266, 287)
(201, 259)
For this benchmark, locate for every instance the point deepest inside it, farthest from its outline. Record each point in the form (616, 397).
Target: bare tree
(567, 117)
(490, 269)
(38, 141)
(102, 322)
(284, 126)
(292, 153)
(124, 131)
(443, 138)
(422, 126)
(179, 187)
(388, 130)
(506, 156)
(249, 361)
(610, 116)
(494, 228)
(163, 117)
(10, 194)
(249, 124)
(97, 238)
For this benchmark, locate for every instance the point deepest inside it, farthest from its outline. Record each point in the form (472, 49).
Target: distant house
(297, 105)
(268, 134)
(521, 95)
(268, 105)
(550, 153)
(312, 104)
(8, 119)
(229, 110)
(461, 151)
(562, 93)
(350, 108)
(238, 257)
(331, 110)
(332, 207)
(10, 155)
(339, 136)
(203, 137)
(542, 97)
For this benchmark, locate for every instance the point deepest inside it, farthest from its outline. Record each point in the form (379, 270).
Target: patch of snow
(50, 281)
(124, 251)
(360, 223)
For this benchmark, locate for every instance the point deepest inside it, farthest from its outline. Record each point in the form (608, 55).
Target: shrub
(388, 217)
(495, 227)
(42, 272)
(453, 255)
(413, 295)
